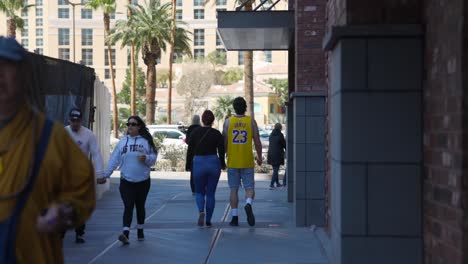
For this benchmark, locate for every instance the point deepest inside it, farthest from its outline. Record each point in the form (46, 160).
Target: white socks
(234, 212)
(248, 201)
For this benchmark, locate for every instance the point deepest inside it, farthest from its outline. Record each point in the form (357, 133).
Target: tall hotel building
(49, 31)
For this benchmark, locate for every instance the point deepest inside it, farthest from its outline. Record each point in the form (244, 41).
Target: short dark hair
(208, 118)
(240, 106)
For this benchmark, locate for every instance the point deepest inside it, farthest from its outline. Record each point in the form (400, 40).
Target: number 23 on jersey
(239, 136)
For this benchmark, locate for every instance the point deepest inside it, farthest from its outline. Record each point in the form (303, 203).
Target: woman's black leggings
(134, 194)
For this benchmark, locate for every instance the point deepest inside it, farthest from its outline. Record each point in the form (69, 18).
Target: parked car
(170, 136)
(153, 128)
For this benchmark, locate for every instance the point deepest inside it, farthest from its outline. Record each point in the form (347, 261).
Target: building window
(87, 56)
(39, 42)
(24, 32)
(38, 12)
(240, 58)
(25, 42)
(179, 3)
(199, 13)
(107, 74)
(134, 2)
(39, 32)
(112, 15)
(26, 23)
(39, 22)
(198, 3)
(272, 108)
(38, 2)
(178, 14)
(221, 2)
(106, 57)
(63, 13)
(86, 13)
(24, 13)
(268, 57)
(62, 2)
(64, 36)
(199, 54)
(64, 54)
(199, 37)
(86, 37)
(257, 108)
(39, 51)
(218, 40)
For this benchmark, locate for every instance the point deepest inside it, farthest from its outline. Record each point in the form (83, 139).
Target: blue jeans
(275, 177)
(206, 172)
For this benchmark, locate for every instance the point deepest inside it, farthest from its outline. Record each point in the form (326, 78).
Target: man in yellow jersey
(46, 182)
(239, 132)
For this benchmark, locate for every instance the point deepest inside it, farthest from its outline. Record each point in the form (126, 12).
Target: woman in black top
(207, 146)
(188, 160)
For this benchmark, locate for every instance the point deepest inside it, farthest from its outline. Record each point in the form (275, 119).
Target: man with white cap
(87, 142)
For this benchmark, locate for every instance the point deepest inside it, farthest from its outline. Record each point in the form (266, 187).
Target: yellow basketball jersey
(240, 153)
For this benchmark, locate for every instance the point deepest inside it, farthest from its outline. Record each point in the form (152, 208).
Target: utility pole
(73, 22)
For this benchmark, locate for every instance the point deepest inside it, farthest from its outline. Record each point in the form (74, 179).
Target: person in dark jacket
(276, 151)
(189, 158)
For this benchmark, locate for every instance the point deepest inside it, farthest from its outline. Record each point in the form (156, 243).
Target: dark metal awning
(256, 30)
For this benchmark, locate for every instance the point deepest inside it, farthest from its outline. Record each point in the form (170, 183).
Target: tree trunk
(11, 28)
(248, 74)
(109, 60)
(150, 91)
(133, 85)
(171, 61)
(133, 71)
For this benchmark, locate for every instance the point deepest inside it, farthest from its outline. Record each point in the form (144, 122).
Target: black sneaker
(201, 219)
(250, 215)
(272, 187)
(124, 238)
(234, 221)
(208, 224)
(279, 185)
(140, 234)
(79, 239)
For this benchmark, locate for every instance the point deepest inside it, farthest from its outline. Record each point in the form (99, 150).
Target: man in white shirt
(88, 145)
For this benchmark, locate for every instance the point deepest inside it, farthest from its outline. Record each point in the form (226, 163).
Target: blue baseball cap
(11, 50)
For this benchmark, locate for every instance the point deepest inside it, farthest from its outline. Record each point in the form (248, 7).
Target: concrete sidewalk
(172, 235)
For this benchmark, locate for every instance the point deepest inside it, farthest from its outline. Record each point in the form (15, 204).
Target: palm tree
(108, 7)
(248, 73)
(133, 69)
(223, 107)
(151, 27)
(171, 61)
(10, 8)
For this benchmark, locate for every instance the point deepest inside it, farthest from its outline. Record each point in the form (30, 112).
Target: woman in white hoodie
(135, 154)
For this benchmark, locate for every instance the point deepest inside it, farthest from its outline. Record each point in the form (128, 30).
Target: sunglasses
(132, 124)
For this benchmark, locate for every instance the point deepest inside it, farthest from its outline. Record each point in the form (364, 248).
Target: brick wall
(310, 58)
(443, 133)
